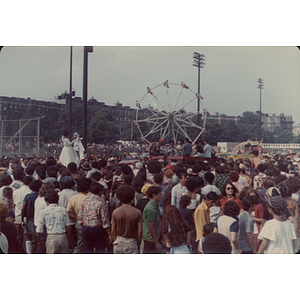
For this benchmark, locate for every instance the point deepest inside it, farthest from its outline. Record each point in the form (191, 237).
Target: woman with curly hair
(229, 194)
(175, 231)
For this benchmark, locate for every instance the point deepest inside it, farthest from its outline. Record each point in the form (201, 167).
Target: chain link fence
(20, 137)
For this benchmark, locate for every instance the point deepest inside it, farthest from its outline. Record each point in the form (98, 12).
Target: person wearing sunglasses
(229, 194)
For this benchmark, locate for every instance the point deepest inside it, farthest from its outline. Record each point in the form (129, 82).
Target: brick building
(119, 113)
(13, 108)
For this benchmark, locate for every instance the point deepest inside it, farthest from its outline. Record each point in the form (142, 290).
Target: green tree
(249, 126)
(284, 136)
(296, 139)
(222, 131)
(268, 136)
(101, 129)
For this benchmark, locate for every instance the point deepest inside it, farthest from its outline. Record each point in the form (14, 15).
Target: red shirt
(259, 213)
(223, 201)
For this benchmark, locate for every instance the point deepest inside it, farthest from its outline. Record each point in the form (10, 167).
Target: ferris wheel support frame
(165, 121)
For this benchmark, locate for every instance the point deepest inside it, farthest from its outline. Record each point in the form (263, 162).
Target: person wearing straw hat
(278, 235)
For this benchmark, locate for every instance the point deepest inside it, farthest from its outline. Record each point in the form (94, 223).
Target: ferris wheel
(170, 110)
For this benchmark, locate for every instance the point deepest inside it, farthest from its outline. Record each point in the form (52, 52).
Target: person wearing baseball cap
(278, 235)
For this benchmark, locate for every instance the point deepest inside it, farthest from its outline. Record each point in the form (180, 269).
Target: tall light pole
(260, 86)
(70, 95)
(199, 63)
(86, 50)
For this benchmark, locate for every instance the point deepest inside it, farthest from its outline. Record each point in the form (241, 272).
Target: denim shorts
(30, 228)
(182, 249)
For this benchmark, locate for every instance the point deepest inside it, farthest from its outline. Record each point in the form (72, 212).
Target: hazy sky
(228, 80)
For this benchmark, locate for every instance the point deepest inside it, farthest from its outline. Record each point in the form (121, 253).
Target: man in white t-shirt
(18, 196)
(278, 235)
(67, 192)
(179, 189)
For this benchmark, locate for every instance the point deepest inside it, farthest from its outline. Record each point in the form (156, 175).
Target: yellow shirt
(75, 203)
(202, 218)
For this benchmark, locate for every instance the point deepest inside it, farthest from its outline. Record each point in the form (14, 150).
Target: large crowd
(195, 203)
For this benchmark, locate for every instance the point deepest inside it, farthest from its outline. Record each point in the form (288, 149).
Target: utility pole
(199, 63)
(86, 50)
(260, 86)
(70, 95)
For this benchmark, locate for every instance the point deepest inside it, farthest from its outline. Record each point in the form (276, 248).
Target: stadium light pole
(70, 95)
(86, 50)
(260, 86)
(199, 63)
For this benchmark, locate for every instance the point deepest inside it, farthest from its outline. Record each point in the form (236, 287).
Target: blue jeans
(94, 239)
(182, 249)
